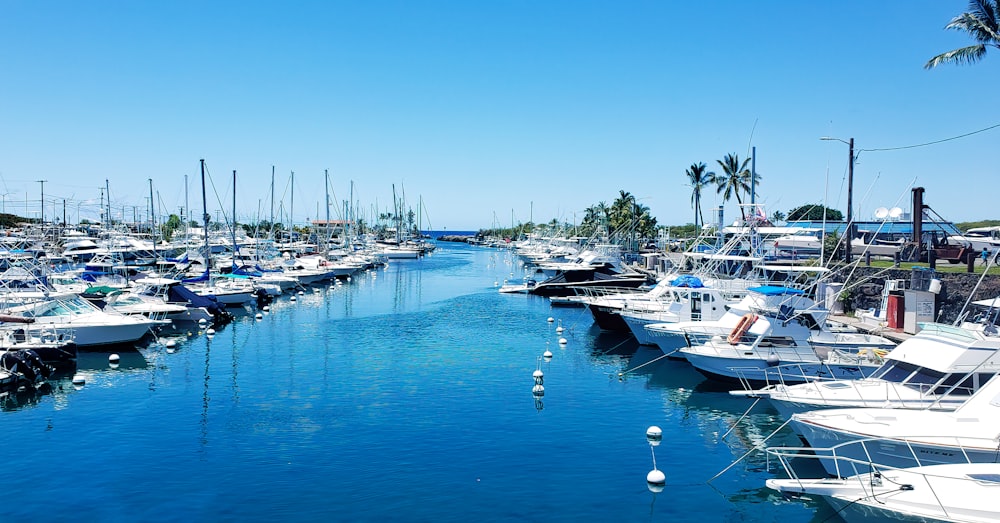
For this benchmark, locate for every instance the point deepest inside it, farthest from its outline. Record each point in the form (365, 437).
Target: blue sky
(488, 110)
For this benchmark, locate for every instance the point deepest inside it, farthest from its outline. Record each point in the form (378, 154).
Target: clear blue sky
(489, 108)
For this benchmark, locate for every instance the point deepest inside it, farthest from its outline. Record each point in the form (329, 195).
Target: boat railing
(603, 292)
(854, 457)
(790, 374)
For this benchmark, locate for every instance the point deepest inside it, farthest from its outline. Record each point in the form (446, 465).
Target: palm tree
(735, 179)
(698, 178)
(981, 22)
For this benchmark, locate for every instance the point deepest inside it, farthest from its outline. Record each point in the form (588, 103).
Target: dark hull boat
(576, 282)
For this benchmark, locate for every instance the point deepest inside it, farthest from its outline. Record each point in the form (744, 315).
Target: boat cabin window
(777, 341)
(808, 321)
(966, 384)
(898, 372)
(923, 378)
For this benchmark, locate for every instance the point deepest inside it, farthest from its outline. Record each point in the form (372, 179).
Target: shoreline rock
(454, 238)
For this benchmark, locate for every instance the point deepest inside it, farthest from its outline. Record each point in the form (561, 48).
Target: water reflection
(96, 367)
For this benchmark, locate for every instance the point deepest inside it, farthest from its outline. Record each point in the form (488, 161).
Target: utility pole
(850, 195)
(42, 182)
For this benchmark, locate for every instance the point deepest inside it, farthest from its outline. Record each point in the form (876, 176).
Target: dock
(896, 335)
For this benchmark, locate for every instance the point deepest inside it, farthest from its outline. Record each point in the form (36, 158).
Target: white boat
(782, 335)
(970, 433)
(979, 238)
(682, 300)
(939, 368)
(804, 243)
(954, 493)
(89, 325)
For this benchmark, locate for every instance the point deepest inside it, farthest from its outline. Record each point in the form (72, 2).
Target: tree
(777, 216)
(814, 212)
(981, 22)
(735, 179)
(699, 177)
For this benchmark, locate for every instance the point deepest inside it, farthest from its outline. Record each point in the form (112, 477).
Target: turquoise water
(403, 395)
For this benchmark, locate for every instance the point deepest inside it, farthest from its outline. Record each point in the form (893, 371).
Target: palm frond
(965, 55)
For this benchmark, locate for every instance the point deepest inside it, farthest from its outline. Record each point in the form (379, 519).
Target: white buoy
(547, 354)
(772, 360)
(551, 319)
(562, 341)
(210, 331)
(259, 316)
(539, 376)
(202, 320)
(348, 278)
(496, 283)
(79, 380)
(267, 308)
(653, 435)
(559, 330)
(171, 350)
(301, 293)
(538, 390)
(114, 358)
(656, 480)
(291, 298)
(316, 290)
(170, 344)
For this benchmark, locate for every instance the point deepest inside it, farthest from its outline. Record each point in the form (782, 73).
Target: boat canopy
(775, 290)
(687, 281)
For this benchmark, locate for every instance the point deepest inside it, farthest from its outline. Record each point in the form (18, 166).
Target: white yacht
(861, 492)
(89, 325)
(785, 341)
(939, 368)
(970, 433)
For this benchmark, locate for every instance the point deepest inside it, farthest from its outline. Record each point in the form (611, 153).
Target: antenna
(895, 212)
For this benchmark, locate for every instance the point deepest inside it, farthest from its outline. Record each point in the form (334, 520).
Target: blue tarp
(246, 271)
(774, 290)
(203, 277)
(687, 281)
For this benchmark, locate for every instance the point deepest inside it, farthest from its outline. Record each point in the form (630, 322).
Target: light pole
(850, 193)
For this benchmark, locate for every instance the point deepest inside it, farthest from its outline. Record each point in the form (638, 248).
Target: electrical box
(918, 306)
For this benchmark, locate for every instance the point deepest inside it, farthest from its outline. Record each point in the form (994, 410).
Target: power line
(932, 143)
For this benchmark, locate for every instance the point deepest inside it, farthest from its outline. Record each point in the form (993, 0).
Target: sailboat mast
(326, 187)
(291, 210)
(107, 189)
(152, 214)
(205, 216)
(271, 223)
(235, 249)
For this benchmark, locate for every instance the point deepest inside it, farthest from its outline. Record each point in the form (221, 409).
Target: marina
(405, 390)
(655, 287)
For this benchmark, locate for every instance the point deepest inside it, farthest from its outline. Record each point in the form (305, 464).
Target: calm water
(404, 395)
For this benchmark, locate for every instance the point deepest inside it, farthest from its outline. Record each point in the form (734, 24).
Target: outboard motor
(263, 298)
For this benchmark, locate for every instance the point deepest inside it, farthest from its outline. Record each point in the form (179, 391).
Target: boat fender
(741, 328)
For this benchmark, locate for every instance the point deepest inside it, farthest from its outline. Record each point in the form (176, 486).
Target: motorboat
(88, 325)
(685, 299)
(864, 492)
(969, 433)
(939, 368)
(807, 243)
(786, 334)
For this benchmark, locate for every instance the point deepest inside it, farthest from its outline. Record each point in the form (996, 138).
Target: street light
(850, 192)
